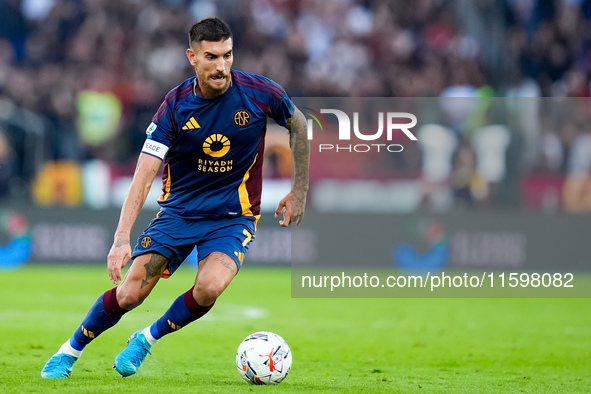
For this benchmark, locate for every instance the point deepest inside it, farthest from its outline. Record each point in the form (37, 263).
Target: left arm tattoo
(300, 150)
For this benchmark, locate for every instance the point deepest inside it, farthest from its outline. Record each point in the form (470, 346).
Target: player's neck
(205, 92)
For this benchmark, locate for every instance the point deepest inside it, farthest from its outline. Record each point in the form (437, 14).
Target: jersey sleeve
(160, 129)
(282, 109)
(159, 134)
(280, 103)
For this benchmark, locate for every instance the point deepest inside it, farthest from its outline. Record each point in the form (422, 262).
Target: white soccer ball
(263, 358)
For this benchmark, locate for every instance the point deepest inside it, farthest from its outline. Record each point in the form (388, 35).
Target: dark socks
(104, 314)
(183, 311)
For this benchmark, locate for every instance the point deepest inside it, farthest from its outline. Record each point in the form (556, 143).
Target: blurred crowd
(93, 72)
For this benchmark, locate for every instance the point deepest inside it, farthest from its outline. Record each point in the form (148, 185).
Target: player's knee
(129, 300)
(206, 294)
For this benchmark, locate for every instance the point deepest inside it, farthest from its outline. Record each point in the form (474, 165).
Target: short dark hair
(209, 29)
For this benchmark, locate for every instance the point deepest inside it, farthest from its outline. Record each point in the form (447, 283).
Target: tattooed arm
(120, 253)
(295, 201)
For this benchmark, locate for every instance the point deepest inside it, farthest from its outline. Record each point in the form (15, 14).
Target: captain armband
(155, 148)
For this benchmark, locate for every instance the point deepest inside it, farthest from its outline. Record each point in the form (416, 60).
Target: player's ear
(191, 56)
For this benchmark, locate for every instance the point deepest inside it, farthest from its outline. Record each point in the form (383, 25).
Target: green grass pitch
(339, 345)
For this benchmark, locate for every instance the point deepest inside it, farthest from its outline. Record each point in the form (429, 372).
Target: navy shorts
(175, 237)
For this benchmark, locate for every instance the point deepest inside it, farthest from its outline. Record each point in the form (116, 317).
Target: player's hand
(293, 207)
(118, 257)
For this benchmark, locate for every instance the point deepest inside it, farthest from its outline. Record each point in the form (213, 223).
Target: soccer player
(209, 131)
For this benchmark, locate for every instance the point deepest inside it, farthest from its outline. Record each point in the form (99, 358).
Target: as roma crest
(241, 118)
(146, 242)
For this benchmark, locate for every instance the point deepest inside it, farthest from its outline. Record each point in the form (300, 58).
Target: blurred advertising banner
(476, 196)
(36, 235)
(423, 242)
(413, 242)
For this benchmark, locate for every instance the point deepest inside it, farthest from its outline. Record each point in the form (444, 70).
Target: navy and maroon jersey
(213, 147)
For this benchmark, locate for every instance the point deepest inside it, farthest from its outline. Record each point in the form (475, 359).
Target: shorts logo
(146, 242)
(240, 256)
(241, 118)
(216, 145)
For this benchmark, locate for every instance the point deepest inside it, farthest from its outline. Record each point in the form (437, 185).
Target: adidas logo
(191, 124)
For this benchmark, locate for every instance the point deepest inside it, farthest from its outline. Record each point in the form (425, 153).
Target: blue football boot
(129, 360)
(59, 366)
